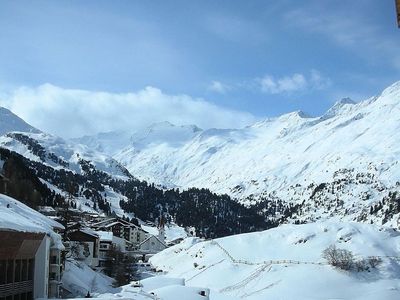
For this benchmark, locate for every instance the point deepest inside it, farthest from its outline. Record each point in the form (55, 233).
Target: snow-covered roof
(171, 292)
(20, 217)
(150, 229)
(105, 236)
(157, 282)
(15, 215)
(150, 237)
(101, 223)
(46, 209)
(112, 224)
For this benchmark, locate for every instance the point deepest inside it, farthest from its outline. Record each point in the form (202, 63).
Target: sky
(79, 67)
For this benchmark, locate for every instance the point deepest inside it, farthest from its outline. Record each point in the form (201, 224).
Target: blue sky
(254, 58)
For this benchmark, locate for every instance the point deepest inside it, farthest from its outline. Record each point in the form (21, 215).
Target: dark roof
(22, 245)
(80, 235)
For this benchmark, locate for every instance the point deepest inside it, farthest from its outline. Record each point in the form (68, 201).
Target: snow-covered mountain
(59, 153)
(17, 135)
(42, 169)
(11, 122)
(105, 142)
(162, 133)
(273, 156)
(345, 162)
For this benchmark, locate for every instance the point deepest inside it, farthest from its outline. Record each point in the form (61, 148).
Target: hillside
(10, 122)
(286, 263)
(42, 169)
(274, 154)
(341, 163)
(293, 168)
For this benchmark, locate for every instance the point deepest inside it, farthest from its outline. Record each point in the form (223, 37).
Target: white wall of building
(152, 245)
(41, 273)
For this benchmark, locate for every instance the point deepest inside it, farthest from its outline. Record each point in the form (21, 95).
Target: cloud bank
(72, 113)
(293, 83)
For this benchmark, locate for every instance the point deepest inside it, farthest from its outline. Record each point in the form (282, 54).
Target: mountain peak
(11, 122)
(338, 107)
(166, 125)
(344, 101)
(295, 116)
(162, 124)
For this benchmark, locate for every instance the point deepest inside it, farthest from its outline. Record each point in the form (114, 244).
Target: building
(105, 245)
(47, 211)
(30, 253)
(152, 245)
(84, 244)
(123, 229)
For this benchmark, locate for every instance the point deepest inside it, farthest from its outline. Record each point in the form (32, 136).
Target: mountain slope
(11, 122)
(286, 263)
(41, 169)
(275, 154)
(58, 153)
(163, 133)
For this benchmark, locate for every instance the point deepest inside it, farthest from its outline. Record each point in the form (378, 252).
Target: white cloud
(319, 82)
(219, 87)
(71, 113)
(293, 83)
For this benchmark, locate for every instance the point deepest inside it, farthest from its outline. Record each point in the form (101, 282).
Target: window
(53, 276)
(53, 259)
(3, 270)
(10, 271)
(31, 265)
(17, 271)
(24, 271)
(103, 246)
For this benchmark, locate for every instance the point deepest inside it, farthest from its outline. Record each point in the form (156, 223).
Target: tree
(119, 266)
(339, 258)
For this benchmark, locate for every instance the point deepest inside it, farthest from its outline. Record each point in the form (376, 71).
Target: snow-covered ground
(286, 263)
(79, 279)
(281, 263)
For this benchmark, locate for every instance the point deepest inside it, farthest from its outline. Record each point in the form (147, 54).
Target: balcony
(9, 289)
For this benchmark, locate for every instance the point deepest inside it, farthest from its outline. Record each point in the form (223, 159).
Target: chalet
(47, 211)
(84, 244)
(30, 259)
